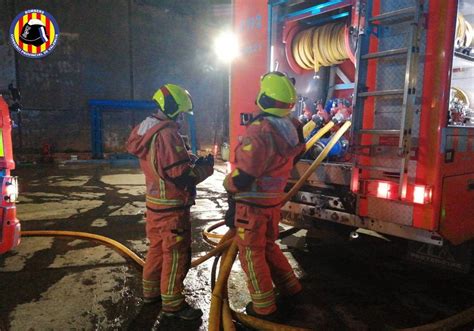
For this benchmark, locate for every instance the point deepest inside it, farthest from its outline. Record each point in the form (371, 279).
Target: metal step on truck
(403, 73)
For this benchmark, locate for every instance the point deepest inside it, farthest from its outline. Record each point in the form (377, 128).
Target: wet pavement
(67, 283)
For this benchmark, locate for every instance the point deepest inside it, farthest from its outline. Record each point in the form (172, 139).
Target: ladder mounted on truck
(370, 57)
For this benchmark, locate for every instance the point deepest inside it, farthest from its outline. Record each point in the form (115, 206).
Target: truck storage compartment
(457, 224)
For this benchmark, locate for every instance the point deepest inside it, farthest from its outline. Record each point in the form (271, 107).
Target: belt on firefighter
(244, 198)
(253, 204)
(165, 210)
(165, 202)
(258, 195)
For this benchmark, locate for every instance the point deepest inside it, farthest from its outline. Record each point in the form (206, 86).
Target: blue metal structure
(96, 107)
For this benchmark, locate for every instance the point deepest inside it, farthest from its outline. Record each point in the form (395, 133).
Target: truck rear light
(11, 189)
(421, 194)
(383, 190)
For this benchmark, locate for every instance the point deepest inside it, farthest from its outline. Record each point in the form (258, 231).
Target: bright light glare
(226, 46)
(419, 194)
(11, 190)
(383, 190)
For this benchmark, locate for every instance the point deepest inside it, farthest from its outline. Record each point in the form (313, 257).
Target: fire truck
(403, 73)
(9, 224)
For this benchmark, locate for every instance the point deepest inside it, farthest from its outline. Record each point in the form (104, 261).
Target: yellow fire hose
(308, 128)
(207, 233)
(318, 135)
(118, 246)
(453, 322)
(320, 46)
(85, 235)
(221, 286)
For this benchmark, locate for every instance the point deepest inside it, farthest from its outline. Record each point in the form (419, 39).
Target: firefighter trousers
(168, 258)
(262, 259)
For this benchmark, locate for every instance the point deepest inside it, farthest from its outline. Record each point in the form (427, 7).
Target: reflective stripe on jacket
(163, 157)
(266, 152)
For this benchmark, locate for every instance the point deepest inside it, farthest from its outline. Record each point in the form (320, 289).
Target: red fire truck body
(409, 168)
(9, 224)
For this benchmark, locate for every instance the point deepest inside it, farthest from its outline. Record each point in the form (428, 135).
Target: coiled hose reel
(321, 46)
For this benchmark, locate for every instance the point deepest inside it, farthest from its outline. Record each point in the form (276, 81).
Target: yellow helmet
(277, 94)
(173, 100)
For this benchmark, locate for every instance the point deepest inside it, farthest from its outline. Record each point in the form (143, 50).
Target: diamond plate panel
(389, 211)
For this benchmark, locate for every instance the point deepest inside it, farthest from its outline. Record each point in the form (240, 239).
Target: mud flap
(455, 258)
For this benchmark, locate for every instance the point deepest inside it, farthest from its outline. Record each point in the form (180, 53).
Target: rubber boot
(150, 301)
(186, 313)
(289, 302)
(274, 317)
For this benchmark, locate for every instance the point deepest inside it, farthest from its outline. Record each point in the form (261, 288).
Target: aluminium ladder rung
(390, 52)
(394, 15)
(381, 93)
(377, 168)
(379, 132)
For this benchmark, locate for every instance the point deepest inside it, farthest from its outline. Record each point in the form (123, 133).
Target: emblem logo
(34, 33)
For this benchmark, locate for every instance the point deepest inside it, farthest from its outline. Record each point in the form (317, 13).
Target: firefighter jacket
(266, 153)
(163, 158)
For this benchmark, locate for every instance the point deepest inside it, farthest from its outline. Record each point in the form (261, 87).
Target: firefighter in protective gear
(263, 161)
(171, 177)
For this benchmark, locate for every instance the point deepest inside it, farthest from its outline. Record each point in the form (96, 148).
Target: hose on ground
(451, 323)
(227, 320)
(214, 270)
(207, 233)
(256, 323)
(215, 312)
(320, 46)
(122, 249)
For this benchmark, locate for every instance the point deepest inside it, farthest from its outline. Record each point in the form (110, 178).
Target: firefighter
(263, 160)
(171, 177)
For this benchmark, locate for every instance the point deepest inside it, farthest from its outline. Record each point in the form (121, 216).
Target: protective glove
(210, 159)
(203, 168)
(230, 213)
(205, 161)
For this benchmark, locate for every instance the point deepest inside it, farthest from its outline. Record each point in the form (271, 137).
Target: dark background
(115, 49)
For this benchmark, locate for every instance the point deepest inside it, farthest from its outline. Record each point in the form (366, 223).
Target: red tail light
(383, 190)
(421, 194)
